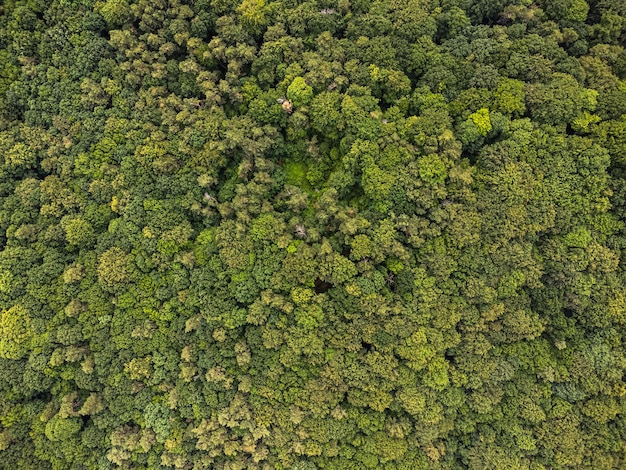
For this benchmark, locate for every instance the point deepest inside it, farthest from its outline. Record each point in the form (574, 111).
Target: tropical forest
(313, 234)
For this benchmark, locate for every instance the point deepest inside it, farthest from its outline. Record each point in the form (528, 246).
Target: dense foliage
(333, 234)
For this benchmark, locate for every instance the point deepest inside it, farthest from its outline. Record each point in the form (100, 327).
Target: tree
(113, 267)
(61, 429)
(299, 93)
(78, 231)
(114, 12)
(568, 10)
(561, 101)
(16, 333)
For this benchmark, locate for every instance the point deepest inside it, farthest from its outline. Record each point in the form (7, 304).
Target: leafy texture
(325, 234)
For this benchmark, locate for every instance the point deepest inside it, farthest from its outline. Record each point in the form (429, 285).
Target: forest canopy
(323, 234)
